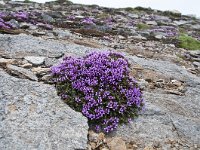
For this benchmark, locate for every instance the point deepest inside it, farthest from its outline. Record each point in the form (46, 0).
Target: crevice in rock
(13, 75)
(181, 140)
(19, 77)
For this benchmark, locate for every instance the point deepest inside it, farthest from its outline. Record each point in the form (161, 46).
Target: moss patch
(142, 26)
(188, 42)
(182, 30)
(27, 1)
(103, 15)
(129, 9)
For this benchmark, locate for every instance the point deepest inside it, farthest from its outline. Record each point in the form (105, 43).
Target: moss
(93, 6)
(188, 42)
(64, 1)
(103, 15)
(138, 10)
(142, 26)
(143, 9)
(182, 30)
(27, 1)
(129, 9)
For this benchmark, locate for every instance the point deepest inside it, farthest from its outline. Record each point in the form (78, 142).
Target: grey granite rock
(159, 36)
(2, 3)
(47, 18)
(181, 22)
(196, 27)
(32, 116)
(63, 33)
(14, 23)
(151, 23)
(19, 46)
(167, 117)
(167, 68)
(50, 62)
(196, 64)
(133, 16)
(195, 53)
(35, 60)
(196, 59)
(162, 18)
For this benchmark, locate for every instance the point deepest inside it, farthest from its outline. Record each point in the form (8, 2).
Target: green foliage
(142, 26)
(188, 42)
(143, 9)
(65, 1)
(103, 15)
(129, 9)
(182, 30)
(27, 1)
(138, 10)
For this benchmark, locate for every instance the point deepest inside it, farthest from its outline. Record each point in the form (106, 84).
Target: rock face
(167, 117)
(24, 45)
(32, 116)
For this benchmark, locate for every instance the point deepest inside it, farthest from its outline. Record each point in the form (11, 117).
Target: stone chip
(35, 60)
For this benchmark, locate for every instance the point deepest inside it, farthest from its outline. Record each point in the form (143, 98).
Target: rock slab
(32, 116)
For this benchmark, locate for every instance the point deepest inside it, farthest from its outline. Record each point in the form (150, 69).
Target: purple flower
(21, 15)
(2, 15)
(87, 21)
(100, 87)
(3, 25)
(45, 26)
(97, 128)
(170, 31)
(129, 120)
(71, 17)
(122, 109)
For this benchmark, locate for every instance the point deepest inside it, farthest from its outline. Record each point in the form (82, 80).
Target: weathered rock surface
(167, 117)
(32, 116)
(167, 68)
(20, 46)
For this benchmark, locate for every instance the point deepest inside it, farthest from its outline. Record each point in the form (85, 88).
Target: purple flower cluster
(22, 16)
(99, 86)
(4, 24)
(170, 31)
(89, 21)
